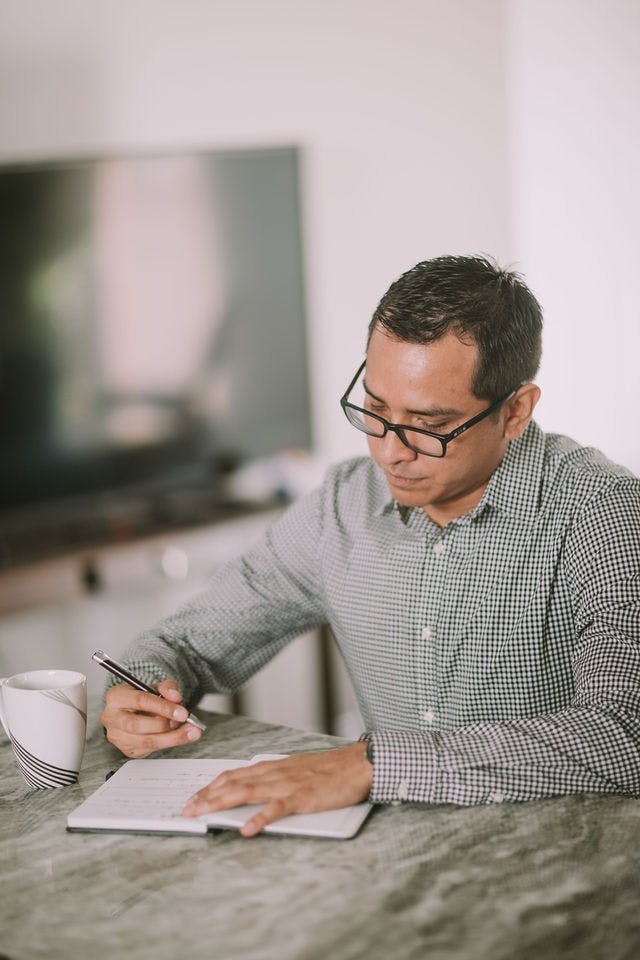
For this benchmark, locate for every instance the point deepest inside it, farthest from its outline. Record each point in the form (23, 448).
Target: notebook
(147, 796)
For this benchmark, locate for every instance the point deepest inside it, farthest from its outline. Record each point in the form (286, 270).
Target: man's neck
(443, 513)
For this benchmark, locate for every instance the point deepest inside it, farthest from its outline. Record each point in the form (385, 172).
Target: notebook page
(149, 795)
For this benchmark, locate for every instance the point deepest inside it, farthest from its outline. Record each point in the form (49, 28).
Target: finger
(141, 745)
(136, 724)
(272, 777)
(216, 797)
(228, 791)
(123, 697)
(274, 810)
(170, 690)
(141, 723)
(226, 784)
(210, 800)
(265, 772)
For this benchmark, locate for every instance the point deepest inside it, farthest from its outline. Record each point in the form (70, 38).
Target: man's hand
(139, 723)
(302, 783)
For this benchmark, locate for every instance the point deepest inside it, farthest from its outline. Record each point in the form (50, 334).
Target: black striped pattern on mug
(39, 774)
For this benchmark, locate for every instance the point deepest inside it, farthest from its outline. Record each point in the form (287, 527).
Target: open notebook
(146, 796)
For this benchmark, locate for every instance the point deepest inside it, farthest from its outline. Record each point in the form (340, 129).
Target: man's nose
(393, 449)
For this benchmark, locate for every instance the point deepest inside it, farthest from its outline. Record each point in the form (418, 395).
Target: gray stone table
(559, 878)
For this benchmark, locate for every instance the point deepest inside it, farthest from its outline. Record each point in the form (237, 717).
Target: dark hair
(474, 298)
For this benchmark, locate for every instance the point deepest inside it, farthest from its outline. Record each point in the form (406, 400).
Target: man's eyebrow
(433, 412)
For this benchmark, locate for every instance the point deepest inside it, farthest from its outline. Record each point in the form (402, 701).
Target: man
(482, 581)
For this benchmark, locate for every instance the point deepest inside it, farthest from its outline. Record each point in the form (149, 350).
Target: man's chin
(408, 494)
(406, 501)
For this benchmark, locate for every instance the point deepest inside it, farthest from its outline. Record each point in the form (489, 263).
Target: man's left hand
(302, 783)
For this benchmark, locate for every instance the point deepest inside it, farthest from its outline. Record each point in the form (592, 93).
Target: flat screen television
(152, 338)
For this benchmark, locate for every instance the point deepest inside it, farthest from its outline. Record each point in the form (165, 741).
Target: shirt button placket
(426, 714)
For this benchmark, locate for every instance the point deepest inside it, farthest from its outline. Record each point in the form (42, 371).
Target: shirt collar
(514, 486)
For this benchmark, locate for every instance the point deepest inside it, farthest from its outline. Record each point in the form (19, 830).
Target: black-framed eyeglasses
(420, 441)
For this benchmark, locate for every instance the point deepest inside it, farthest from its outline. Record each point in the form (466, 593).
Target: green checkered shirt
(497, 658)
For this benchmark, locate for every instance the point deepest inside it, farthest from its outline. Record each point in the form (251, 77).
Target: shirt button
(426, 633)
(403, 790)
(428, 716)
(496, 796)
(439, 548)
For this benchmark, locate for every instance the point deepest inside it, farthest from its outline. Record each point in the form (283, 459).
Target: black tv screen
(152, 327)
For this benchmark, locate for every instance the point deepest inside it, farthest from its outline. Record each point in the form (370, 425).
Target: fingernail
(180, 714)
(194, 733)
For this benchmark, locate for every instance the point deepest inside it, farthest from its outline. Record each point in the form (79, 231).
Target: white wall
(428, 126)
(574, 108)
(400, 109)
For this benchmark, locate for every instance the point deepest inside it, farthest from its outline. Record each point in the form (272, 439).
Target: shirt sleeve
(593, 745)
(251, 608)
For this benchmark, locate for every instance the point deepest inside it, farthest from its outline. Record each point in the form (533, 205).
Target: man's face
(429, 386)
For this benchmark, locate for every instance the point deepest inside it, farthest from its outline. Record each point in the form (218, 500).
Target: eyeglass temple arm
(353, 382)
(483, 413)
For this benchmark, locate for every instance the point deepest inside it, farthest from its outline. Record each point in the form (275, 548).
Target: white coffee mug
(44, 713)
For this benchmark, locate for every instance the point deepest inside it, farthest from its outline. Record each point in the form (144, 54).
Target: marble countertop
(555, 878)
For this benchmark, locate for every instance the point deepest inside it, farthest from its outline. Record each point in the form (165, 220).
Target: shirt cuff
(405, 767)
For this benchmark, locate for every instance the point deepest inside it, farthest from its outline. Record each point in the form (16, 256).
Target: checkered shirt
(497, 658)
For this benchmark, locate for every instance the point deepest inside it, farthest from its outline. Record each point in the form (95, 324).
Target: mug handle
(3, 717)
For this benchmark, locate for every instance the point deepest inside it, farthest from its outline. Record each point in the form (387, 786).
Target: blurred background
(410, 129)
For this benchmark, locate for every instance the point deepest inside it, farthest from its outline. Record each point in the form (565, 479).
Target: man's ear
(520, 409)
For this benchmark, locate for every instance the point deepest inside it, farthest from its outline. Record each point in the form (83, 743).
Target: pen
(118, 670)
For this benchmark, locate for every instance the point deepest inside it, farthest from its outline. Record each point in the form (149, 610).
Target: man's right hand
(139, 723)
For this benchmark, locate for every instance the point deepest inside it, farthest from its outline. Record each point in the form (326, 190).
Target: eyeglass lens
(375, 428)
